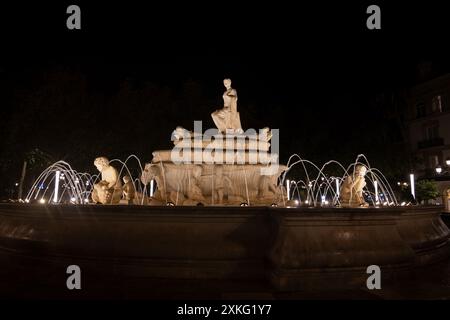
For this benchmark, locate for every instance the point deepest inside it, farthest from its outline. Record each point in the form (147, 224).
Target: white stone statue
(109, 189)
(351, 192)
(227, 119)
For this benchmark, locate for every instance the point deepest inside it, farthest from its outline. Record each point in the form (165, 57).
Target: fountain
(218, 205)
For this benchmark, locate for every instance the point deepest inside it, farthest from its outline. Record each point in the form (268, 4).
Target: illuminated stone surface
(109, 189)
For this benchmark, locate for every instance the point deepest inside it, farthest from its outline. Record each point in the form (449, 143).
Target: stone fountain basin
(291, 247)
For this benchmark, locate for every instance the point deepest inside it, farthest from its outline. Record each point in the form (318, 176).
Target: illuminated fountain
(59, 183)
(223, 166)
(322, 189)
(219, 206)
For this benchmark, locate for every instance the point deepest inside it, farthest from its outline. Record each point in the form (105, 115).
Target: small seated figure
(129, 192)
(109, 189)
(351, 192)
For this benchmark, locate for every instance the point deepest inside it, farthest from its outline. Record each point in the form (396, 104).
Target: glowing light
(403, 204)
(413, 189)
(385, 203)
(438, 170)
(17, 184)
(42, 201)
(306, 202)
(86, 200)
(296, 202)
(375, 184)
(447, 162)
(288, 189)
(73, 199)
(323, 199)
(27, 201)
(55, 193)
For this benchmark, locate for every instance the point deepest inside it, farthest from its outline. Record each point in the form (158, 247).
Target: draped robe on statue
(227, 119)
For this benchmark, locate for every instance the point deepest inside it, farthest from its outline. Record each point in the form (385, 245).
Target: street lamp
(438, 169)
(447, 162)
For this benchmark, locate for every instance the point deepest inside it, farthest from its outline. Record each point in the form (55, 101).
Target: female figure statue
(227, 119)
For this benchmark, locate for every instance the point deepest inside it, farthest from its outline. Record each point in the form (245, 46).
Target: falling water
(73, 187)
(322, 189)
(315, 186)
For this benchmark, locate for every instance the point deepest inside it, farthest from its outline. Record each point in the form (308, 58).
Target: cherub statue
(351, 192)
(129, 192)
(109, 189)
(227, 119)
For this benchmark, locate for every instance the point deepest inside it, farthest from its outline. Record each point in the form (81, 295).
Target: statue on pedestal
(109, 189)
(351, 192)
(227, 119)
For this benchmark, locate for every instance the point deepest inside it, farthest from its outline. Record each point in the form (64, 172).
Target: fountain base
(293, 249)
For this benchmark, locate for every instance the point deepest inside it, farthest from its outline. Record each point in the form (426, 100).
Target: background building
(428, 126)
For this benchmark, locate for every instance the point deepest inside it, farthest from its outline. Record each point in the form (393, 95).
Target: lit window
(436, 104)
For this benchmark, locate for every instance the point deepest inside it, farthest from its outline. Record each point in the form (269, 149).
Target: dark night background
(123, 82)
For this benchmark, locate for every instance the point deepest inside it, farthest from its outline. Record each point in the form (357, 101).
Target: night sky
(122, 83)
